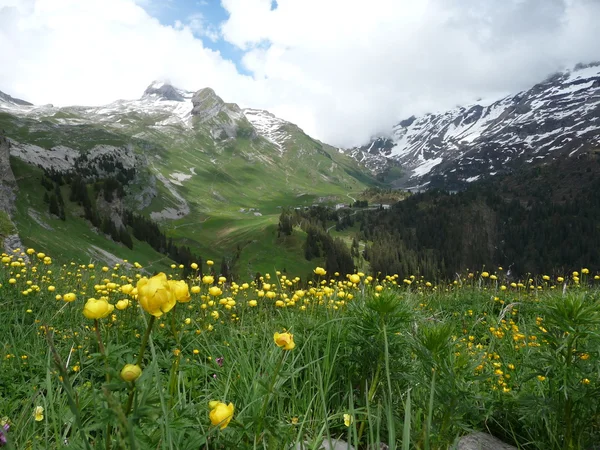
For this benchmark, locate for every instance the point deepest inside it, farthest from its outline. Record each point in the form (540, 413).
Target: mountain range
(215, 177)
(556, 118)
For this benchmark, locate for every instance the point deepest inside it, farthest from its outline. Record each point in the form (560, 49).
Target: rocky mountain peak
(5, 98)
(164, 91)
(223, 119)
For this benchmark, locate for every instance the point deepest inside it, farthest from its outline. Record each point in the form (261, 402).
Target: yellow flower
(355, 278)
(122, 304)
(131, 372)
(220, 413)
(155, 295)
(195, 289)
(348, 419)
(126, 289)
(541, 377)
(215, 291)
(194, 266)
(70, 297)
(209, 262)
(560, 279)
(97, 309)
(180, 290)
(320, 271)
(284, 340)
(252, 303)
(38, 413)
(208, 279)
(485, 274)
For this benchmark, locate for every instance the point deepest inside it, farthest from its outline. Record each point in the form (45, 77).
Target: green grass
(6, 225)
(72, 238)
(415, 366)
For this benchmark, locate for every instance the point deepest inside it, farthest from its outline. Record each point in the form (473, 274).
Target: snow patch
(426, 167)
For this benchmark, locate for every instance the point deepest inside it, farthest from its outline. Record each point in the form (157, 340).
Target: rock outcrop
(9, 239)
(223, 120)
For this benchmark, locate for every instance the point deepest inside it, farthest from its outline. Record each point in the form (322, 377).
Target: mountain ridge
(558, 116)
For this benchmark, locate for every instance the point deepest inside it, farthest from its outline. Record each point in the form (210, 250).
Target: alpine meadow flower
(97, 309)
(4, 426)
(70, 297)
(284, 340)
(220, 413)
(180, 290)
(131, 372)
(38, 413)
(155, 295)
(320, 271)
(348, 419)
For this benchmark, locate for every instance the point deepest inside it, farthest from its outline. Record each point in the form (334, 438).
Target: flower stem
(268, 396)
(106, 373)
(140, 358)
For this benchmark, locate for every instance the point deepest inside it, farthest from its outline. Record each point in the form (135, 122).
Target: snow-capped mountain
(7, 100)
(269, 126)
(560, 116)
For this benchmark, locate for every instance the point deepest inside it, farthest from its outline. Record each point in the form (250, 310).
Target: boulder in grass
(481, 441)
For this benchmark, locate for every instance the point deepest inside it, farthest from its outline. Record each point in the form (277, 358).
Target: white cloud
(96, 51)
(361, 66)
(343, 70)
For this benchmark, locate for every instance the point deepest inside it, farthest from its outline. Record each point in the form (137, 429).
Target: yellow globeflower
(195, 289)
(180, 290)
(194, 266)
(355, 278)
(284, 340)
(131, 372)
(215, 291)
(126, 289)
(122, 304)
(348, 419)
(70, 297)
(220, 413)
(320, 271)
(97, 309)
(155, 295)
(208, 279)
(38, 413)
(252, 303)
(209, 262)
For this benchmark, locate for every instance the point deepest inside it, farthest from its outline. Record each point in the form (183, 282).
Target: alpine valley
(178, 174)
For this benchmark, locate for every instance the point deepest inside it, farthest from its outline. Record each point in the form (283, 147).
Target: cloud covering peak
(343, 70)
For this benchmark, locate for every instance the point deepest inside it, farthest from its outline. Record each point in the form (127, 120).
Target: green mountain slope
(213, 179)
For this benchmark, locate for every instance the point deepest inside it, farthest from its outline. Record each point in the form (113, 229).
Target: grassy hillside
(72, 237)
(222, 198)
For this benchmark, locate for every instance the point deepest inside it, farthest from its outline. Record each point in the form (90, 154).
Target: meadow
(103, 357)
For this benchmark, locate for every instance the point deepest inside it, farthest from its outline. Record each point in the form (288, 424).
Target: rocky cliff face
(7, 99)
(9, 239)
(223, 120)
(8, 184)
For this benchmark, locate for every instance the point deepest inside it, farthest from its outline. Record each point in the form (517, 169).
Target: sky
(343, 70)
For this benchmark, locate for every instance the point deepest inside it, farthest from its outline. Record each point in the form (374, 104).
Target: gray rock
(164, 92)
(332, 444)
(12, 242)
(222, 119)
(481, 441)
